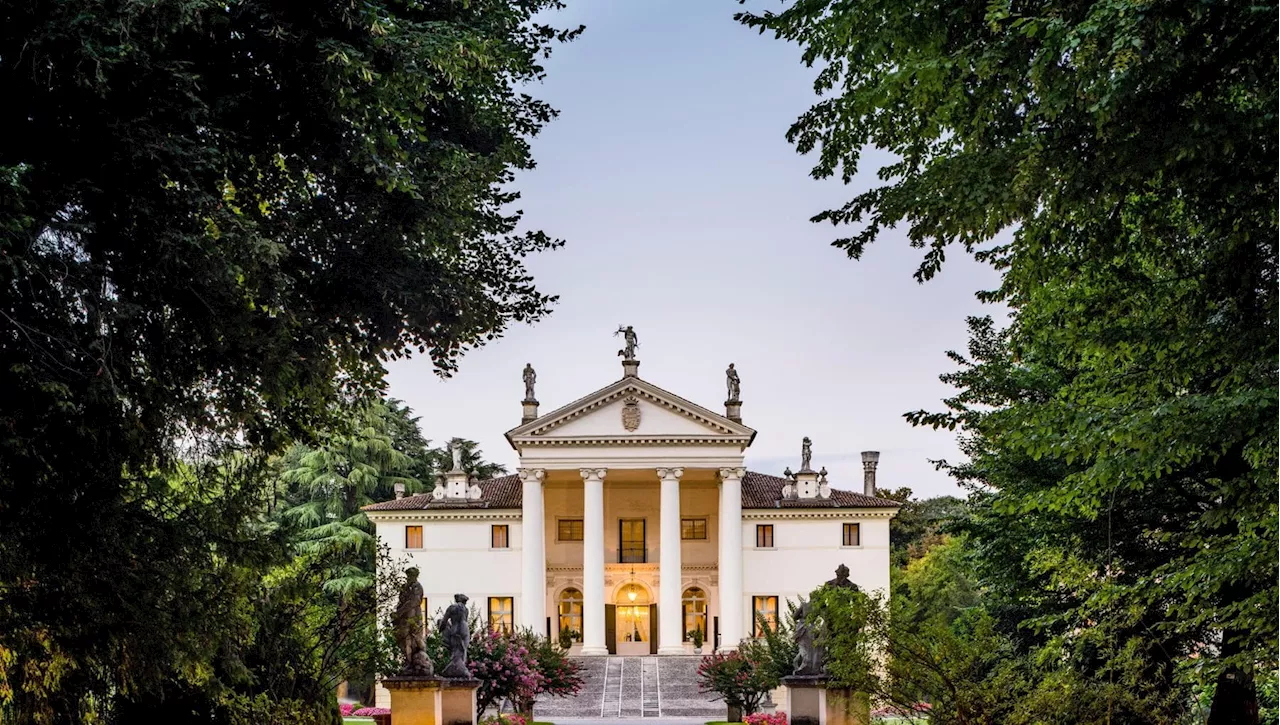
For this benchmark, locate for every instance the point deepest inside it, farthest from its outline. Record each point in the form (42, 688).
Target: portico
(654, 531)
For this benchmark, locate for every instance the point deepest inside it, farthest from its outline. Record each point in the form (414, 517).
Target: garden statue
(407, 625)
(628, 351)
(457, 633)
(809, 655)
(734, 384)
(842, 579)
(530, 377)
(806, 454)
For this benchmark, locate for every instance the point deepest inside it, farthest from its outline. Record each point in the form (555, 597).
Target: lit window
(852, 536)
(413, 537)
(764, 536)
(498, 537)
(765, 611)
(695, 612)
(631, 541)
(571, 613)
(501, 614)
(693, 528)
(569, 530)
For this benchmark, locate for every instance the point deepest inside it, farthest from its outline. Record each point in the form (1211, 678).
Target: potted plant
(566, 638)
(695, 636)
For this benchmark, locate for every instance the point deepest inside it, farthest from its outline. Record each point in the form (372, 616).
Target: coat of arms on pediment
(631, 413)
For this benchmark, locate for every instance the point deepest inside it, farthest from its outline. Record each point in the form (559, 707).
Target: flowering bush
(741, 679)
(505, 668)
(764, 718)
(346, 707)
(371, 711)
(509, 719)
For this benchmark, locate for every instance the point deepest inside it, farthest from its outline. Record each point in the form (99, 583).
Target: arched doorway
(634, 621)
(570, 614)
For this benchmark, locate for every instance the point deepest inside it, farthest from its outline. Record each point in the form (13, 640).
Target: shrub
(371, 711)
(764, 718)
(741, 679)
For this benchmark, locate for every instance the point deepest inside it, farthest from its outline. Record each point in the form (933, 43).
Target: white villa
(632, 523)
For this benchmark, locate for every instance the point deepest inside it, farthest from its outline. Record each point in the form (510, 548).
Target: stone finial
(399, 488)
(870, 459)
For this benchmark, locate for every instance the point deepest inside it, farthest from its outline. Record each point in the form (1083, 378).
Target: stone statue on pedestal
(842, 579)
(806, 454)
(457, 634)
(455, 447)
(809, 657)
(734, 385)
(407, 624)
(530, 377)
(631, 342)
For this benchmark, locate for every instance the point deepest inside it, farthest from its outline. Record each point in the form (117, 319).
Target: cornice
(669, 440)
(445, 515)
(834, 513)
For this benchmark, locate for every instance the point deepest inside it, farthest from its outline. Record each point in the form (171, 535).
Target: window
(498, 538)
(501, 614)
(413, 537)
(851, 535)
(569, 530)
(695, 612)
(631, 541)
(766, 609)
(764, 536)
(693, 528)
(571, 613)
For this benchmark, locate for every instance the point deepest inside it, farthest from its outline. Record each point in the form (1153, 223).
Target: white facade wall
(456, 558)
(806, 553)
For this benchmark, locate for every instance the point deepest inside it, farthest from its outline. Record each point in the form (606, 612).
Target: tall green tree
(1130, 151)
(217, 220)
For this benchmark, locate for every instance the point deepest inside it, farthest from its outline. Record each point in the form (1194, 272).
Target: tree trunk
(735, 713)
(1235, 700)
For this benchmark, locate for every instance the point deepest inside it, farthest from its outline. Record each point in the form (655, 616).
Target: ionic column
(670, 639)
(731, 606)
(533, 551)
(593, 562)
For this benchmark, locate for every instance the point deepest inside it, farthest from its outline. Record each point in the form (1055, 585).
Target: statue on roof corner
(455, 447)
(734, 384)
(806, 454)
(530, 377)
(631, 342)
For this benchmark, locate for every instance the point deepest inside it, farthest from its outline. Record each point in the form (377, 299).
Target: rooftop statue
(457, 633)
(530, 377)
(407, 625)
(734, 385)
(628, 351)
(806, 454)
(455, 447)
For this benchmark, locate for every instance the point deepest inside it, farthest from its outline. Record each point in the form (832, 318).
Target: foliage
(779, 640)
(766, 718)
(1121, 432)
(558, 675)
(217, 221)
(513, 666)
(919, 523)
(695, 636)
(741, 678)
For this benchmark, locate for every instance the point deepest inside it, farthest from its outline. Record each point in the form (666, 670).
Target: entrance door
(653, 629)
(611, 628)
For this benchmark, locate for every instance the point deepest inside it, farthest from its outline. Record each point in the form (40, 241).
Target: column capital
(531, 474)
(670, 474)
(732, 474)
(593, 474)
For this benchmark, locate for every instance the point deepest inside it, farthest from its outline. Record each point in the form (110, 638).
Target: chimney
(870, 459)
(399, 490)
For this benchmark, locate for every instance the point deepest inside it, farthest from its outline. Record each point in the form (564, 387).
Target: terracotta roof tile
(502, 492)
(759, 491)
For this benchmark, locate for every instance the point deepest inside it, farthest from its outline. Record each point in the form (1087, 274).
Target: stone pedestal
(432, 700)
(811, 702)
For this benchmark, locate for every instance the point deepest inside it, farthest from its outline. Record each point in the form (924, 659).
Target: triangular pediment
(631, 409)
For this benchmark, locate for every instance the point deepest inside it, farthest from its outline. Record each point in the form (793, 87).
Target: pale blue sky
(685, 213)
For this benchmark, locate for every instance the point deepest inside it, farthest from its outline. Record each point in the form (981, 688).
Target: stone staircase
(635, 687)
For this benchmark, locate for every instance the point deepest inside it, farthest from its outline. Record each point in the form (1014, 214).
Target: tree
(1130, 150)
(919, 523)
(217, 220)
